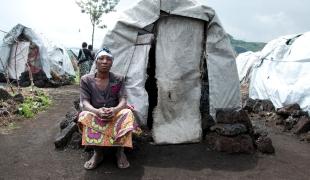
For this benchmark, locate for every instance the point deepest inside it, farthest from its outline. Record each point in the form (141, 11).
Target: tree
(95, 9)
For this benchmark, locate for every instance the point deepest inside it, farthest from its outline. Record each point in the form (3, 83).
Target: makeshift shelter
(23, 50)
(245, 62)
(2, 34)
(179, 52)
(281, 72)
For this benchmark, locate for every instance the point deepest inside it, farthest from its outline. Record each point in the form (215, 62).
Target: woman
(105, 121)
(84, 60)
(92, 52)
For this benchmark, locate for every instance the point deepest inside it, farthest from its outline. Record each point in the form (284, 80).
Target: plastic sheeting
(223, 76)
(282, 74)
(60, 61)
(18, 60)
(136, 77)
(245, 62)
(48, 59)
(177, 114)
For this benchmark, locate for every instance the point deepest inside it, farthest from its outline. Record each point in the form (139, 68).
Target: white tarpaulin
(178, 79)
(60, 61)
(18, 59)
(184, 27)
(50, 58)
(245, 62)
(282, 75)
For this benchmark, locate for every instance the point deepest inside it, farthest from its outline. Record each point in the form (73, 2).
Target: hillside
(243, 46)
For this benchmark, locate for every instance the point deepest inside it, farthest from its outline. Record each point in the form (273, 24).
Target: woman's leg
(95, 160)
(121, 158)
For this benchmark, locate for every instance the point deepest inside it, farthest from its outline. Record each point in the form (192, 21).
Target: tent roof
(281, 73)
(49, 60)
(121, 40)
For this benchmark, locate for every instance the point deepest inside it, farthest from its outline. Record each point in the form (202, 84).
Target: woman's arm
(112, 111)
(121, 105)
(86, 106)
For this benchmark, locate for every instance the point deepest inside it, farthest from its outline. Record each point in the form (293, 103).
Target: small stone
(233, 116)
(76, 141)
(65, 135)
(267, 106)
(71, 116)
(288, 110)
(229, 129)
(19, 98)
(249, 105)
(303, 125)
(4, 95)
(264, 145)
(4, 112)
(289, 123)
(238, 144)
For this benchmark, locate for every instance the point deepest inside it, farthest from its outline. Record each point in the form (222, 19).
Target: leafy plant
(26, 110)
(39, 101)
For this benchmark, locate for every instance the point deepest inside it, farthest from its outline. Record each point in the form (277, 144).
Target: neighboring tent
(174, 41)
(73, 57)
(281, 72)
(2, 34)
(245, 63)
(22, 47)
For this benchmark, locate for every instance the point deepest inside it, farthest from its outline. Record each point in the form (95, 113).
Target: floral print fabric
(101, 132)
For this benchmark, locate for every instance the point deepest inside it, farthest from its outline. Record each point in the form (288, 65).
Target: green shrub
(33, 104)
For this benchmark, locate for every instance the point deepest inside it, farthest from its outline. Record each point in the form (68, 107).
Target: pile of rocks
(8, 105)
(292, 118)
(258, 106)
(234, 133)
(40, 80)
(69, 135)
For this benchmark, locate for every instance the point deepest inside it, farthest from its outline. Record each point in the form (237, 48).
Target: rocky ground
(28, 152)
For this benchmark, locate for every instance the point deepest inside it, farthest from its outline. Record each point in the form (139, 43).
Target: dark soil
(28, 152)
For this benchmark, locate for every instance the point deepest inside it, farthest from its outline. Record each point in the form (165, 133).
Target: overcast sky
(252, 20)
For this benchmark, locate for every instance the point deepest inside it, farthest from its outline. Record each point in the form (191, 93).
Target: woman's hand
(110, 112)
(106, 113)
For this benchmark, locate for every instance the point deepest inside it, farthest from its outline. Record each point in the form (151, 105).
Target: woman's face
(104, 63)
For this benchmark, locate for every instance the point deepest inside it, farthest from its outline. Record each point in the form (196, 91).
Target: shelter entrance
(174, 79)
(151, 86)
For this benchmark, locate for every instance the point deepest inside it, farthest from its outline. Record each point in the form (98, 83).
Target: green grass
(33, 104)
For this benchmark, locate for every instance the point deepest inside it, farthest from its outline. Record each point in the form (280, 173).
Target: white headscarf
(104, 52)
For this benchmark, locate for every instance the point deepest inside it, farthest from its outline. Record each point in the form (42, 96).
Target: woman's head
(104, 60)
(84, 45)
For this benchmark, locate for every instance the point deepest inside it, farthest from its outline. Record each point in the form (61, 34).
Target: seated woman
(105, 121)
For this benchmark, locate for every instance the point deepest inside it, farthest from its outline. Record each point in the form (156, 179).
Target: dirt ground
(28, 152)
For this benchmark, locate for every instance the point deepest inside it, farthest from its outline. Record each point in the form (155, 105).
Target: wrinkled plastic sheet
(49, 58)
(18, 60)
(222, 69)
(177, 117)
(282, 75)
(245, 62)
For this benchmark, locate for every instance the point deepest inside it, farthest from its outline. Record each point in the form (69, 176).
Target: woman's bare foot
(94, 161)
(121, 158)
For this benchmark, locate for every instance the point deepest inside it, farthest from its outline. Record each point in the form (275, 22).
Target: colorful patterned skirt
(100, 132)
(84, 68)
